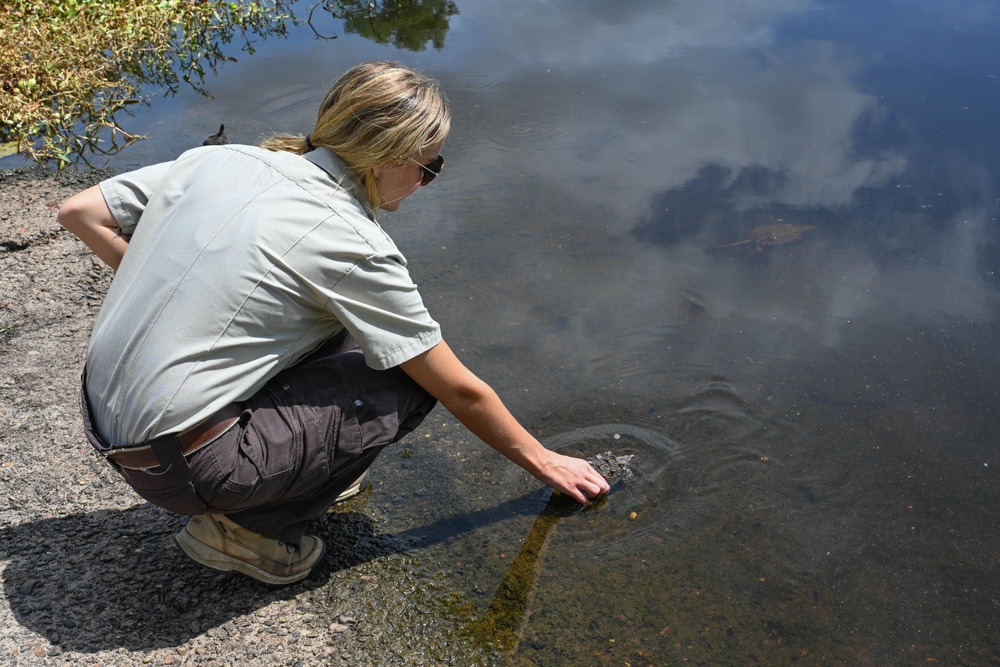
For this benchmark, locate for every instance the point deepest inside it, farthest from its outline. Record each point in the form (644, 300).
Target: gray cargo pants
(300, 441)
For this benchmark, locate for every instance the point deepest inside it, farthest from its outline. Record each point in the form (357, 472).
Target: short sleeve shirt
(241, 262)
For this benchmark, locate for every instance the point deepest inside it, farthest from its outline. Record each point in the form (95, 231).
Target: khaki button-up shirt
(241, 262)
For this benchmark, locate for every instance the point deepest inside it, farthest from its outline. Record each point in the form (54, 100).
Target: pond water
(814, 422)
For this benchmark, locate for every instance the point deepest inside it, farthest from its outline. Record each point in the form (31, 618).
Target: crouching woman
(262, 340)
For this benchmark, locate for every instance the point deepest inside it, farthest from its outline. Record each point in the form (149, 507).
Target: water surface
(814, 422)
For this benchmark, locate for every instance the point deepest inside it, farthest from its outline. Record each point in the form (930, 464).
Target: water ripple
(542, 129)
(289, 102)
(634, 506)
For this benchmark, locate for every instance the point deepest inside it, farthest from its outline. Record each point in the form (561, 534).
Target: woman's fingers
(585, 482)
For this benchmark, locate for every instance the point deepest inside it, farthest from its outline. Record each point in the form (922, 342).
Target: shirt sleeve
(380, 306)
(127, 194)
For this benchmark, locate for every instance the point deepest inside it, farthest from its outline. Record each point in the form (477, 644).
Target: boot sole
(205, 555)
(354, 489)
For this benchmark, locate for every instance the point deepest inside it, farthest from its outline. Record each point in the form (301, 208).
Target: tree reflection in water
(405, 24)
(65, 107)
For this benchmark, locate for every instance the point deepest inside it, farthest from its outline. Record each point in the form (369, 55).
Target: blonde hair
(377, 113)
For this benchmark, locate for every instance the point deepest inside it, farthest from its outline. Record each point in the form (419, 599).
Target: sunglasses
(430, 170)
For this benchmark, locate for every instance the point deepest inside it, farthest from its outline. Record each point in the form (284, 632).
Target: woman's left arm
(87, 215)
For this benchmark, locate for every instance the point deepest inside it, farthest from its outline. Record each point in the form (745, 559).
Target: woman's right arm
(87, 215)
(478, 407)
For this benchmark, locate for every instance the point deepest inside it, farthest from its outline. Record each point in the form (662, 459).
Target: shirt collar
(342, 175)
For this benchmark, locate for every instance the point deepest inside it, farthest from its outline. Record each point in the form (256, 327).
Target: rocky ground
(90, 573)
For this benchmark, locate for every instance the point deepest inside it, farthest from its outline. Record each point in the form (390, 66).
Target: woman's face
(399, 180)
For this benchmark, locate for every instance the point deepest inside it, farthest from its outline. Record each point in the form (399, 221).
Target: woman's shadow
(110, 579)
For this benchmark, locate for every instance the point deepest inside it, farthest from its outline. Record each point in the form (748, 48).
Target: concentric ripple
(636, 507)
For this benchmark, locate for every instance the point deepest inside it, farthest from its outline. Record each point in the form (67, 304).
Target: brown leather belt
(189, 441)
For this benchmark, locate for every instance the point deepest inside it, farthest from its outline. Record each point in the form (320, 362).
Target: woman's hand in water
(572, 476)
(478, 407)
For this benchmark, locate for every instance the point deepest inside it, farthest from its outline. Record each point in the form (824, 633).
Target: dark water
(815, 423)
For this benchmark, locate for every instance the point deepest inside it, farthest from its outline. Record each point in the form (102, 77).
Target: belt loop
(168, 453)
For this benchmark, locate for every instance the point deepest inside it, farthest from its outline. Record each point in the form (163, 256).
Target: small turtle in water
(612, 468)
(772, 235)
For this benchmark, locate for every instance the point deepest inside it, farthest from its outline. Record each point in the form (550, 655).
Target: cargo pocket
(284, 452)
(350, 440)
(370, 418)
(173, 491)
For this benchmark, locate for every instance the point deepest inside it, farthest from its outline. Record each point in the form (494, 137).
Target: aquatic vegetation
(501, 626)
(67, 67)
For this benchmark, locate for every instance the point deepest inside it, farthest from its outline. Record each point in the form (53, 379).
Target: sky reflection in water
(828, 489)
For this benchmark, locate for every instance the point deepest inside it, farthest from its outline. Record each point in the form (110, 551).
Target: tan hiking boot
(215, 541)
